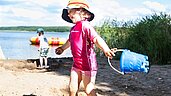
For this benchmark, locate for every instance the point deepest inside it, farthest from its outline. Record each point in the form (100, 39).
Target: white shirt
(43, 42)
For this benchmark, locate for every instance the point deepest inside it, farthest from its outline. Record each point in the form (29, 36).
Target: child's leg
(89, 84)
(45, 58)
(41, 62)
(75, 80)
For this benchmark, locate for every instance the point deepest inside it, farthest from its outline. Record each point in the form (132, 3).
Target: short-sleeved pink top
(82, 46)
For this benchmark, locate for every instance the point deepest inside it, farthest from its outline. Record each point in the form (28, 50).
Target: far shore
(23, 31)
(34, 28)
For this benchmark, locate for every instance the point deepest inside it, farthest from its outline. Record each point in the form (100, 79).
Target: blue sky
(48, 12)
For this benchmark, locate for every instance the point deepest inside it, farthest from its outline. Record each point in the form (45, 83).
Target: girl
(81, 40)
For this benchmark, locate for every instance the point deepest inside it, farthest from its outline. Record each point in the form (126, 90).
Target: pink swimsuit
(82, 46)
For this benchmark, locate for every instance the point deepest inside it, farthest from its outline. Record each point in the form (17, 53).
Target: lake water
(16, 45)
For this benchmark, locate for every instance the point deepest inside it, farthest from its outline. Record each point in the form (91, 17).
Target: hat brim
(67, 18)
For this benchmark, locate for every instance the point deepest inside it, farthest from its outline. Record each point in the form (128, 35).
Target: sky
(48, 12)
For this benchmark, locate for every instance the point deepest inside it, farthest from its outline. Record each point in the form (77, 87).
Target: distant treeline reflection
(33, 28)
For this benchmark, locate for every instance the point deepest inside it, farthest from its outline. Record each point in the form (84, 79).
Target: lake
(16, 45)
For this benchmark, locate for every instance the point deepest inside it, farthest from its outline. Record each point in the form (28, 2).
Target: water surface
(16, 45)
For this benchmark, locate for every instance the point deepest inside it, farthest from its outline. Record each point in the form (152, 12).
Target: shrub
(150, 36)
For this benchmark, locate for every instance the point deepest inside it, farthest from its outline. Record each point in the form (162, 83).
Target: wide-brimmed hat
(76, 4)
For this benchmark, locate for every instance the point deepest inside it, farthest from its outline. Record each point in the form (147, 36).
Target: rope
(113, 67)
(115, 50)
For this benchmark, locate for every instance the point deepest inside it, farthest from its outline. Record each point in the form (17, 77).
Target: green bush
(114, 33)
(150, 36)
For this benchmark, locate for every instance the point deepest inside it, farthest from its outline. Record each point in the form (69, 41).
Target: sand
(22, 78)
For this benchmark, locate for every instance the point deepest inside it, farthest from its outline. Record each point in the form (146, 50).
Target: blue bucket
(132, 62)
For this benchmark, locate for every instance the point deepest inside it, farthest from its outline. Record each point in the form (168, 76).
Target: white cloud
(104, 9)
(115, 10)
(48, 12)
(27, 13)
(34, 12)
(46, 3)
(154, 6)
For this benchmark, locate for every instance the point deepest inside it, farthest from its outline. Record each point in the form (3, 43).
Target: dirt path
(21, 78)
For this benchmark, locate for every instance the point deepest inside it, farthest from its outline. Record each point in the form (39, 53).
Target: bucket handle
(115, 50)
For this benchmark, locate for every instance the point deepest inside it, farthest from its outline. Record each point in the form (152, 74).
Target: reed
(151, 36)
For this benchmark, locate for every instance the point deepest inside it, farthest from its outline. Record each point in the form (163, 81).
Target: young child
(43, 48)
(81, 40)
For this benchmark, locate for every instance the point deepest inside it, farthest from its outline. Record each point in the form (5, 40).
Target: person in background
(81, 41)
(43, 48)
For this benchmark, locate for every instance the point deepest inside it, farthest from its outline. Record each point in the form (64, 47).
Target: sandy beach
(22, 78)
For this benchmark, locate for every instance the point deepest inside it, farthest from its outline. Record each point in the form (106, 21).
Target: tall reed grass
(150, 36)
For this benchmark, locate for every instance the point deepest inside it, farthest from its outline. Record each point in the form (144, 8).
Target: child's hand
(59, 50)
(114, 50)
(109, 53)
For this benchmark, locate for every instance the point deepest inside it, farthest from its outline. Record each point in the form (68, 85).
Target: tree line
(34, 28)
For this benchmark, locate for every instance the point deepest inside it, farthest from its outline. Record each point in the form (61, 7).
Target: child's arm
(60, 50)
(103, 46)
